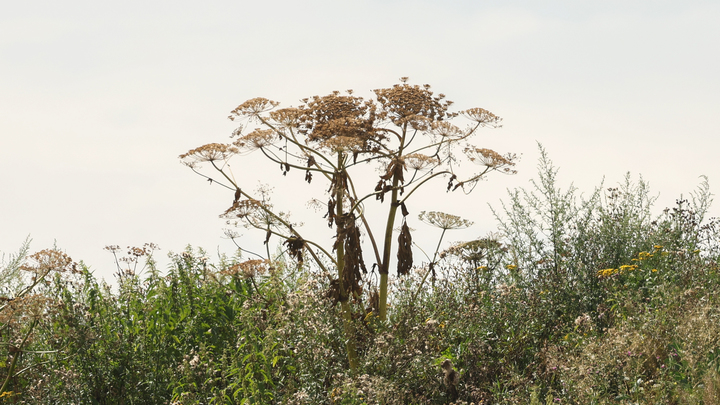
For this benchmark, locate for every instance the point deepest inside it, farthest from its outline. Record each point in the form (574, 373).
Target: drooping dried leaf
(330, 215)
(295, 246)
(348, 235)
(339, 181)
(404, 210)
(374, 302)
(404, 255)
(380, 191)
(395, 170)
(308, 173)
(333, 292)
(450, 183)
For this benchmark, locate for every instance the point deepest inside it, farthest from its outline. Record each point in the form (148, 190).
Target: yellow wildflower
(606, 272)
(628, 267)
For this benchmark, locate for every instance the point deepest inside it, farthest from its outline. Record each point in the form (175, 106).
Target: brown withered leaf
(330, 215)
(380, 190)
(333, 292)
(238, 194)
(395, 170)
(374, 303)
(338, 182)
(404, 255)
(295, 247)
(348, 236)
(267, 237)
(308, 173)
(450, 183)
(403, 209)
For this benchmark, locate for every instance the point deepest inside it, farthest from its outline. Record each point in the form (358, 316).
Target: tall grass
(577, 299)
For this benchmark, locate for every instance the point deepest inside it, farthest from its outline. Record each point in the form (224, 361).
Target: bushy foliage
(575, 300)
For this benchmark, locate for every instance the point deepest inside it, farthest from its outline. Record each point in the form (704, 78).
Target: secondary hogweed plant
(405, 131)
(23, 306)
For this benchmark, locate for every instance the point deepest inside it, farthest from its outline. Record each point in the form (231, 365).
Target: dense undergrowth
(575, 300)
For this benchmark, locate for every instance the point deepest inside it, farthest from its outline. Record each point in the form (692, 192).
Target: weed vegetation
(577, 299)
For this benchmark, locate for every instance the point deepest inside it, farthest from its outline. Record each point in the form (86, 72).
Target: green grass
(575, 301)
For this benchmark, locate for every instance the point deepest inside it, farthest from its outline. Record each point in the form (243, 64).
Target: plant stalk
(344, 296)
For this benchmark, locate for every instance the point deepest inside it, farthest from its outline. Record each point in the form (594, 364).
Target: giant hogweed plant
(24, 305)
(406, 131)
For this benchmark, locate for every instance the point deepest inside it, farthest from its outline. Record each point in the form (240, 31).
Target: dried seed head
(248, 268)
(287, 117)
(482, 117)
(209, 153)
(403, 102)
(47, 260)
(256, 139)
(338, 116)
(418, 161)
(443, 220)
(253, 108)
(445, 129)
(491, 159)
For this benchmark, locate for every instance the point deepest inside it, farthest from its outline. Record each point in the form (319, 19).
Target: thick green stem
(385, 266)
(16, 356)
(387, 246)
(349, 338)
(343, 293)
(383, 295)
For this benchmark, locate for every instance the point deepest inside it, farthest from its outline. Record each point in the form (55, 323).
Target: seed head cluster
(444, 221)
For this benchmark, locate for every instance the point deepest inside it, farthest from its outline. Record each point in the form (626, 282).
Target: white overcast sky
(98, 99)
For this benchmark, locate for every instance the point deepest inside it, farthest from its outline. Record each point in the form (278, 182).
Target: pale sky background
(98, 99)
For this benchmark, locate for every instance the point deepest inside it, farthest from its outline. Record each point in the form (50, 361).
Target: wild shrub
(575, 300)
